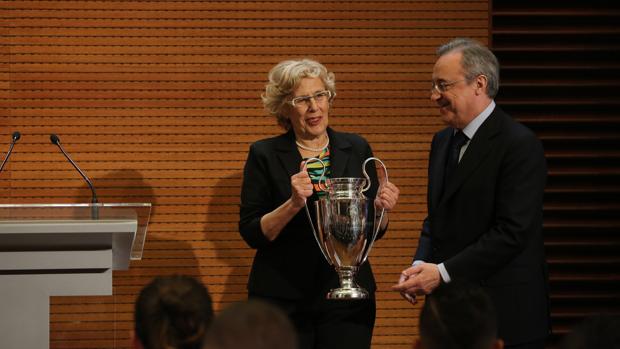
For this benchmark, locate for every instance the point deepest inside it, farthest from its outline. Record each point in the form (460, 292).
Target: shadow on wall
(166, 249)
(232, 260)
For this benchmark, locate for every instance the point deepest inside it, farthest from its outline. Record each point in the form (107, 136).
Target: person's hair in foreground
(458, 316)
(596, 331)
(172, 312)
(252, 324)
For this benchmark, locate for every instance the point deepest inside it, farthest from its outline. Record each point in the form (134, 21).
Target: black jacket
(292, 266)
(487, 225)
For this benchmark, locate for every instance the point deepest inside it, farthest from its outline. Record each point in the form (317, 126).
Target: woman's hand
(301, 186)
(387, 196)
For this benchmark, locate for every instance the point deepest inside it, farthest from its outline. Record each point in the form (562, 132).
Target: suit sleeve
(255, 200)
(517, 217)
(423, 252)
(425, 243)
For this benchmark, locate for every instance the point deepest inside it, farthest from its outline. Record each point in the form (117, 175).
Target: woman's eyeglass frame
(305, 101)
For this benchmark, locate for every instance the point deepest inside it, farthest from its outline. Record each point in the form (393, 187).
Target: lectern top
(83, 215)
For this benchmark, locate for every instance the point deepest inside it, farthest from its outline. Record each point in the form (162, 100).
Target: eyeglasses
(306, 101)
(443, 86)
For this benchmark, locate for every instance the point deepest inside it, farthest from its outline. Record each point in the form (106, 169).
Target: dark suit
(291, 271)
(486, 224)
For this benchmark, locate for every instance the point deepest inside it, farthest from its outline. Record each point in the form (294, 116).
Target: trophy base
(347, 293)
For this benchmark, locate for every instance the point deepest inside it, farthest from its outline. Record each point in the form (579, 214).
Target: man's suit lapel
(438, 166)
(477, 150)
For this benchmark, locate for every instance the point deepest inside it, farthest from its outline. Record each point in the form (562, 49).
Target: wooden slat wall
(560, 76)
(158, 101)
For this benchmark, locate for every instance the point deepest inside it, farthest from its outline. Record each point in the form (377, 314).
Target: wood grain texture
(158, 101)
(560, 78)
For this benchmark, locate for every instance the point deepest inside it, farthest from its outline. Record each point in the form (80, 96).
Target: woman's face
(309, 120)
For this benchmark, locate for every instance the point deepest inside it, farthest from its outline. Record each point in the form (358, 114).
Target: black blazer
(292, 266)
(487, 225)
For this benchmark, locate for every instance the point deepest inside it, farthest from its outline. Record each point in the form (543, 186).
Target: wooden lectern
(60, 250)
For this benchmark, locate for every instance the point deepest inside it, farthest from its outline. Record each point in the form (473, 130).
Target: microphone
(95, 212)
(16, 137)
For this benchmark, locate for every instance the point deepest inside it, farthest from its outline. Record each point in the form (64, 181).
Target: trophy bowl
(346, 228)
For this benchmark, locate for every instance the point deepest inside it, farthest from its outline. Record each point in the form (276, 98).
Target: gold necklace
(312, 149)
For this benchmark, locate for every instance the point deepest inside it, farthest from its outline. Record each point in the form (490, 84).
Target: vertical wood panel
(560, 77)
(158, 101)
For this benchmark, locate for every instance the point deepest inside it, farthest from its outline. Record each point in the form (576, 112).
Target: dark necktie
(458, 140)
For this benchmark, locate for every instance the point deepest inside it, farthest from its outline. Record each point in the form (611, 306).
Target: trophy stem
(348, 288)
(346, 275)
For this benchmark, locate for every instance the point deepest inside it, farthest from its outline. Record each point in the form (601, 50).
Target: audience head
(597, 331)
(251, 325)
(172, 312)
(458, 316)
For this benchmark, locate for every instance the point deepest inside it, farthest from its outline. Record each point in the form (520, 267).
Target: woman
(289, 269)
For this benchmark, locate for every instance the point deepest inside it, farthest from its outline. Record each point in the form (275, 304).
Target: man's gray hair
(477, 60)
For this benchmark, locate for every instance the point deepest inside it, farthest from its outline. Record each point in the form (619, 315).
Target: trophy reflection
(346, 228)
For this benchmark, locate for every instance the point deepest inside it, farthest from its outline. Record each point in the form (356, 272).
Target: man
(484, 220)
(459, 315)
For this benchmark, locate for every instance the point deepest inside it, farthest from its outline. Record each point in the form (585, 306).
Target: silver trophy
(346, 228)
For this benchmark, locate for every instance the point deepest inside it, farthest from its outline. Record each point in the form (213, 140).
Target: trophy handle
(377, 225)
(314, 231)
(368, 183)
(322, 177)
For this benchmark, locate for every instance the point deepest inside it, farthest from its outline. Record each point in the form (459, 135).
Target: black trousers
(330, 324)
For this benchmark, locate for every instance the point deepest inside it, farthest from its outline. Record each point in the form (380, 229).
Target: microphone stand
(94, 213)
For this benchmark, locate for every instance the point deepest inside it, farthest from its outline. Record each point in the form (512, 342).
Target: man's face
(454, 95)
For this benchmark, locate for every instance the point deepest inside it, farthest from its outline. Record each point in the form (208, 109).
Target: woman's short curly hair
(284, 78)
